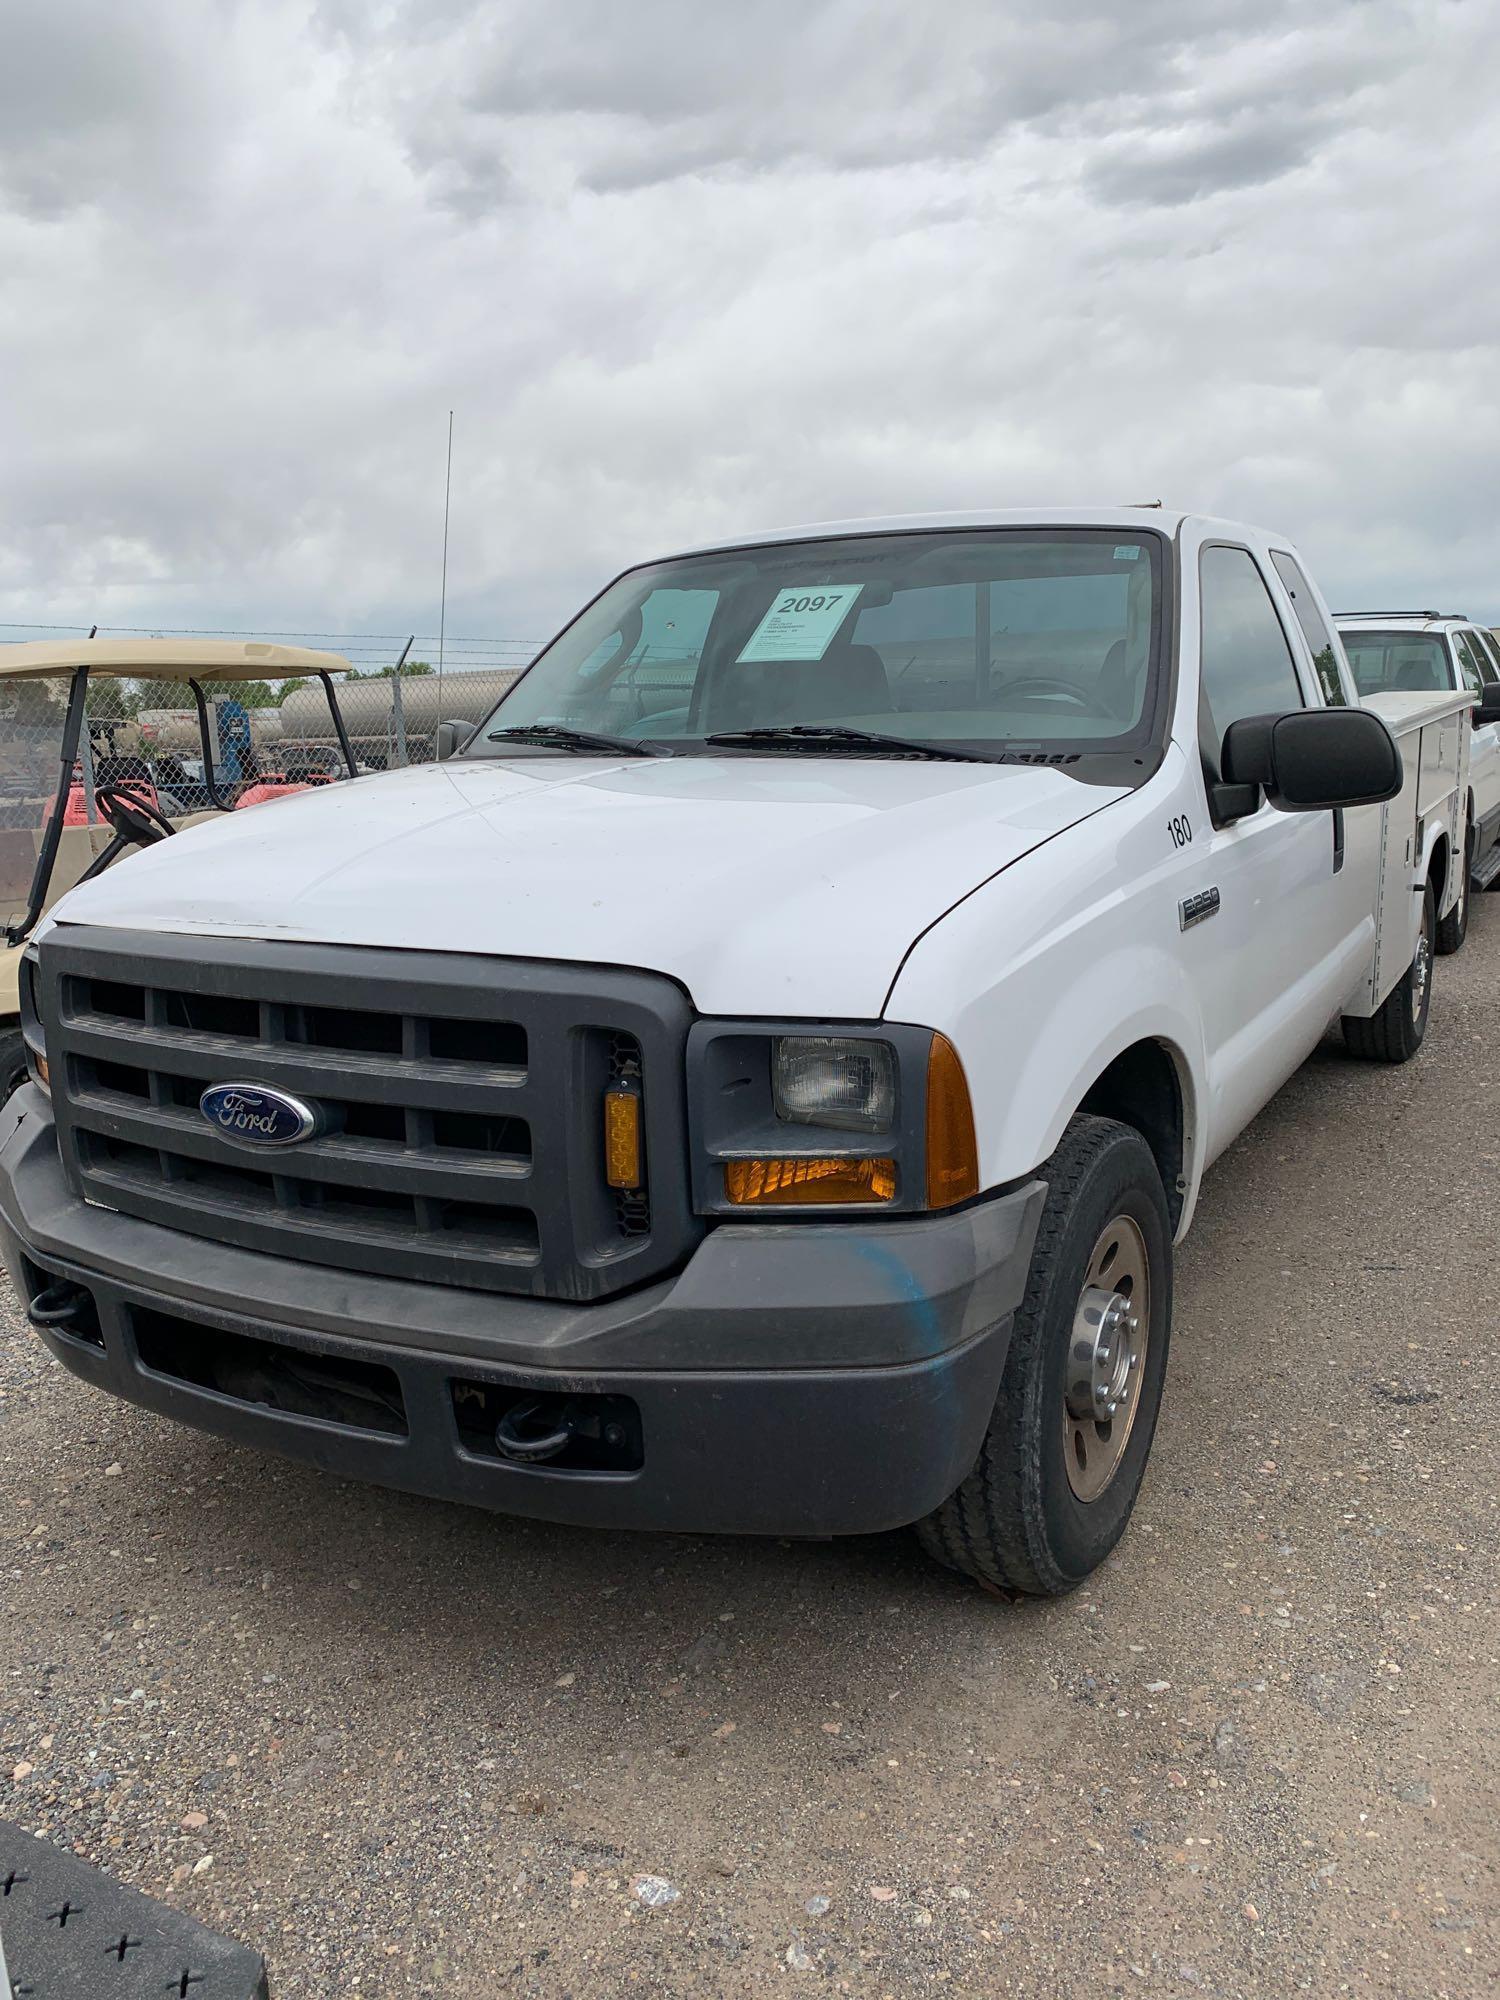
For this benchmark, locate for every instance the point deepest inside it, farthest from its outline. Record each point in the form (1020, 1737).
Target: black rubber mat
(70, 1932)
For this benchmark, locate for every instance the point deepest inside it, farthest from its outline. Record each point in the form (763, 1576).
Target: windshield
(32, 711)
(1018, 640)
(1398, 662)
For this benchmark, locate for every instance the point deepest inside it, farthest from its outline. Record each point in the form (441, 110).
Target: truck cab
(1427, 651)
(757, 1083)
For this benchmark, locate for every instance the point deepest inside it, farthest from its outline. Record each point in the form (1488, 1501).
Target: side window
(1247, 665)
(1470, 672)
(1320, 641)
(1490, 657)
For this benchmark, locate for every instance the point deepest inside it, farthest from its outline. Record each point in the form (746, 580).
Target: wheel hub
(1106, 1355)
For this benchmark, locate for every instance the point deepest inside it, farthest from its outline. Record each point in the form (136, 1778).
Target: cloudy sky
(681, 268)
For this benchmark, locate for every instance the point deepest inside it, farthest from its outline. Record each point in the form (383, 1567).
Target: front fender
(1038, 1017)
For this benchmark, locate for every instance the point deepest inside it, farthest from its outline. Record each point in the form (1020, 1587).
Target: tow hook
(61, 1305)
(596, 1431)
(534, 1430)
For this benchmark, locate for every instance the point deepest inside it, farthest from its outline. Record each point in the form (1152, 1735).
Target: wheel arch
(1438, 870)
(1148, 1086)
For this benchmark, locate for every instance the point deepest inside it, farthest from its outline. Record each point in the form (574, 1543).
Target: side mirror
(1312, 759)
(1487, 708)
(450, 738)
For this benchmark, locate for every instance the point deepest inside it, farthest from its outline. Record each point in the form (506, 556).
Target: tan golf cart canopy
(187, 662)
(167, 659)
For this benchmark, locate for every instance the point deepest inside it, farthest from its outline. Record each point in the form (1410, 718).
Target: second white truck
(1427, 652)
(760, 1093)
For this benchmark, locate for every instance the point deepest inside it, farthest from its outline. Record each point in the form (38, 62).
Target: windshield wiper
(556, 736)
(834, 736)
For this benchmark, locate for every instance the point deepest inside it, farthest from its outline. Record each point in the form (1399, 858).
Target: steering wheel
(1039, 683)
(131, 817)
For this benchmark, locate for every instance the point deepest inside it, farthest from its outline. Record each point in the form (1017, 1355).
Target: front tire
(1061, 1464)
(1395, 1031)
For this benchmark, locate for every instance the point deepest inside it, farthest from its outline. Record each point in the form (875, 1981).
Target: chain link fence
(263, 734)
(144, 738)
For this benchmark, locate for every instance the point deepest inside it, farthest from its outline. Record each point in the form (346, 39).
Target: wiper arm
(834, 736)
(556, 736)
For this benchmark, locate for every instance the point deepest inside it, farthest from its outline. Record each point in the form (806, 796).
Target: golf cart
(75, 792)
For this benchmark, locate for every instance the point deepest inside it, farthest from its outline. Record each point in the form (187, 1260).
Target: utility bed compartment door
(1432, 731)
(1438, 766)
(1398, 861)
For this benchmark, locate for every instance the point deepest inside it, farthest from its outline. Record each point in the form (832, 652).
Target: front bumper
(793, 1378)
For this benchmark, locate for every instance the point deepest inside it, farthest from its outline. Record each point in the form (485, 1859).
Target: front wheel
(1395, 1031)
(1061, 1464)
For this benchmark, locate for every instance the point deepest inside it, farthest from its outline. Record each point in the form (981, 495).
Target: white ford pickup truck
(757, 1082)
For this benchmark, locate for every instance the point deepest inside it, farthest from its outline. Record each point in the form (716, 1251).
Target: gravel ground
(411, 1750)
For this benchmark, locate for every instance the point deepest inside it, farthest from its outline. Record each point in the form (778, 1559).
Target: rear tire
(1454, 928)
(1394, 1033)
(1053, 1486)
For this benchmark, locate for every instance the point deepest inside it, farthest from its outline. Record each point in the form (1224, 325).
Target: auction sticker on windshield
(801, 621)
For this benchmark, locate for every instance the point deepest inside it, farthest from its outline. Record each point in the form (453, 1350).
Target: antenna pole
(86, 761)
(443, 600)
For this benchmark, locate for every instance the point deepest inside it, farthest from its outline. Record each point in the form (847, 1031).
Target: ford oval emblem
(252, 1114)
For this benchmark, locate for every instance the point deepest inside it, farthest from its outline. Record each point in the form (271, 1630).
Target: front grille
(461, 1103)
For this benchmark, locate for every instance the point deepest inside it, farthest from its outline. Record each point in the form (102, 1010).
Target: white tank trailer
(368, 709)
(176, 729)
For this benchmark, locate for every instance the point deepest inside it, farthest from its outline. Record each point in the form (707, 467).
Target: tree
(411, 668)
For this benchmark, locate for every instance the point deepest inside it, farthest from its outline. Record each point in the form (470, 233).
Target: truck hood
(765, 885)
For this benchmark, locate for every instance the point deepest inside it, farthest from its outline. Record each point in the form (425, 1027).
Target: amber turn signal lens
(43, 1073)
(952, 1150)
(802, 1183)
(622, 1138)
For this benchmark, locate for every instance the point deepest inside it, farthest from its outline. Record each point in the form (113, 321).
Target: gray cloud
(99, 100)
(678, 90)
(683, 270)
(1165, 169)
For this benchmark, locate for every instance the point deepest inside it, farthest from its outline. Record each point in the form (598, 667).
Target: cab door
(1474, 669)
(1290, 929)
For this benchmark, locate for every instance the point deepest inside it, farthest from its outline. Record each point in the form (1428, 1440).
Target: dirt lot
(409, 1750)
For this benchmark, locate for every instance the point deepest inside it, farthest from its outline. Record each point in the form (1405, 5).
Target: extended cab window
(1320, 641)
(1247, 664)
(1030, 640)
(1399, 662)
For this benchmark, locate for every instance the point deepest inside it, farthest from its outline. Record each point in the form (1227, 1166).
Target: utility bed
(1432, 731)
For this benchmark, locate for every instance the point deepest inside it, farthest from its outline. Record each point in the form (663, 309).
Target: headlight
(782, 1116)
(837, 1081)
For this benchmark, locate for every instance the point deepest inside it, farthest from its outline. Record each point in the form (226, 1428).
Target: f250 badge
(252, 1114)
(1196, 908)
